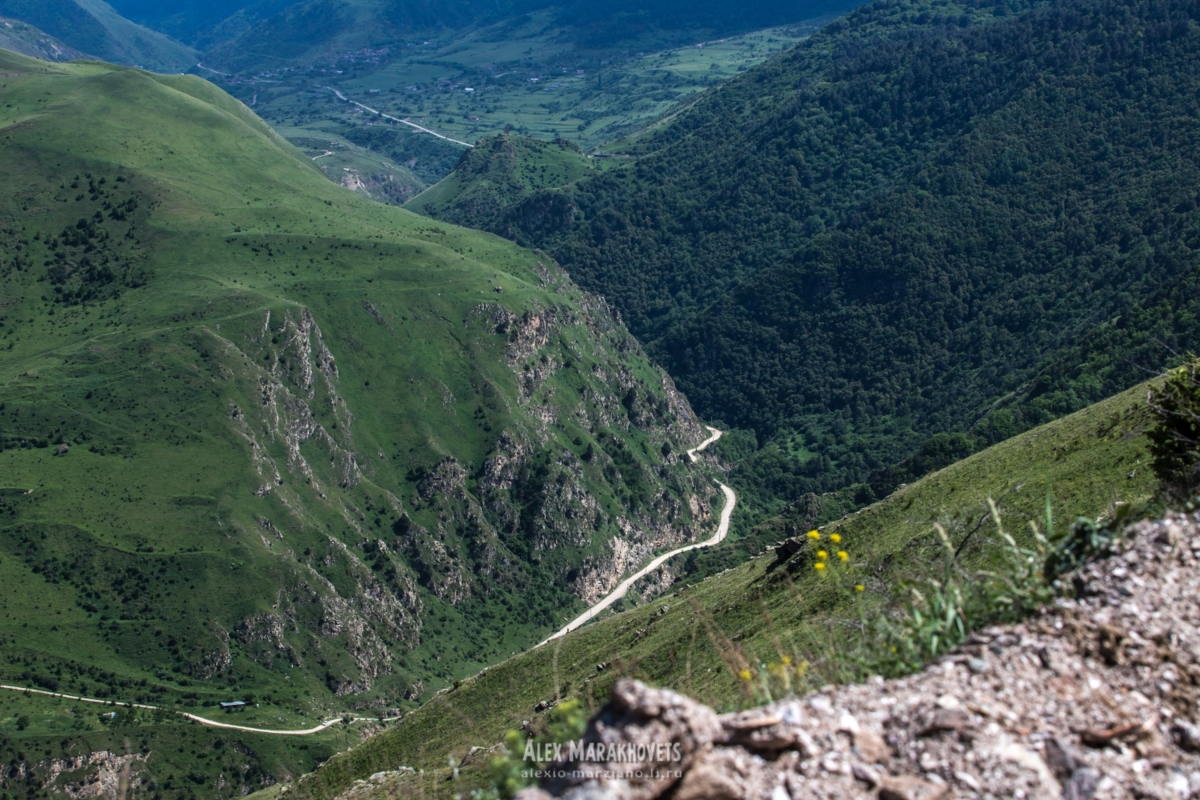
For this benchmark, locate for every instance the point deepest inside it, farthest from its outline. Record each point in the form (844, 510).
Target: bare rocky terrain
(1094, 698)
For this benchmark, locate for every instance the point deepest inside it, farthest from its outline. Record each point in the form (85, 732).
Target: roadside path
(619, 592)
(193, 717)
(397, 119)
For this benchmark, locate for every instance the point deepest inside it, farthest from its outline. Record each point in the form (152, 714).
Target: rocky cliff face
(1098, 697)
(584, 480)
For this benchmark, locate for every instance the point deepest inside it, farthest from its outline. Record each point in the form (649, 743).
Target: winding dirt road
(211, 723)
(397, 119)
(591, 613)
(619, 592)
(716, 434)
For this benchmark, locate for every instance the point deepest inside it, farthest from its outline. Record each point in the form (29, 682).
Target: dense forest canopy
(305, 28)
(930, 217)
(667, 14)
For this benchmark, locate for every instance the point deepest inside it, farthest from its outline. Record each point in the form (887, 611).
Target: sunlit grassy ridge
(1085, 464)
(261, 438)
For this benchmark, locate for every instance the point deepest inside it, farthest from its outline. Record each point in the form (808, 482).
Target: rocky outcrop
(394, 609)
(100, 773)
(341, 620)
(213, 661)
(382, 187)
(1097, 697)
(261, 638)
(557, 506)
(579, 509)
(300, 371)
(656, 529)
(566, 513)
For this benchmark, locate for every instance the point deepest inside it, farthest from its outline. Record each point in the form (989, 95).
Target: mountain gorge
(264, 439)
(953, 217)
(261, 436)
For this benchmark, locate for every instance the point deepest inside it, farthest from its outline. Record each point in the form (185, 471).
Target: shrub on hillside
(1175, 438)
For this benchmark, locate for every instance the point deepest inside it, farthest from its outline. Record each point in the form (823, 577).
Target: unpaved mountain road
(397, 119)
(591, 613)
(716, 434)
(619, 592)
(211, 723)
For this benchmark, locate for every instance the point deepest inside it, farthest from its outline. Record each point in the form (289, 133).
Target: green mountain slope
(262, 438)
(959, 216)
(27, 40)
(1085, 463)
(93, 26)
(200, 24)
(500, 172)
(307, 29)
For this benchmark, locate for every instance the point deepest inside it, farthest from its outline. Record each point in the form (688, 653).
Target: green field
(262, 438)
(527, 80)
(1085, 464)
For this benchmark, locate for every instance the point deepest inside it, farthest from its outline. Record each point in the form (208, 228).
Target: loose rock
(1096, 697)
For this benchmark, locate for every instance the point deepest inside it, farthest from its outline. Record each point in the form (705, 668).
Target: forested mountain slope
(94, 27)
(928, 217)
(262, 438)
(497, 174)
(200, 24)
(310, 27)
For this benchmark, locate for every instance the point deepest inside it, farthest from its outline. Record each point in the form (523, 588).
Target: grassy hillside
(357, 168)
(20, 37)
(93, 26)
(1084, 463)
(264, 439)
(500, 172)
(924, 218)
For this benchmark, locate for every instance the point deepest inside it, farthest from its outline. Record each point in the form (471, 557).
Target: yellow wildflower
(835, 538)
(858, 587)
(787, 661)
(745, 675)
(820, 565)
(843, 555)
(814, 535)
(821, 554)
